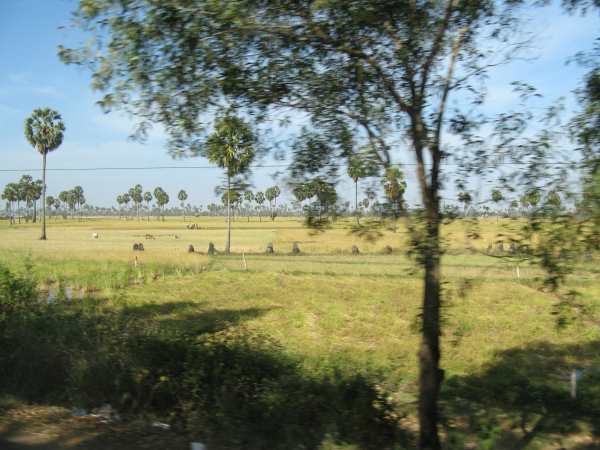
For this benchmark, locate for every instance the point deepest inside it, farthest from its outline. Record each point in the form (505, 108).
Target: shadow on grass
(523, 395)
(205, 372)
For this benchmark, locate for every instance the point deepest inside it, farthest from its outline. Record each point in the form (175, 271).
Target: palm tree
(271, 195)
(249, 197)
(36, 192)
(50, 203)
(356, 171)
(136, 195)
(162, 198)
(182, 196)
(126, 200)
(57, 204)
(231, 147)
(394, 187)
(79, 198)
(148, 199)
(259, 198)
(497, 197)
(120, 202)
(44, 130)
(11, 195)
(466, 199)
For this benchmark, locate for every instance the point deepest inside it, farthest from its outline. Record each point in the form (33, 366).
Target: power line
(258, 166)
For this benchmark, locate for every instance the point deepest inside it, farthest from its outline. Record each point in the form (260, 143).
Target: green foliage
(497, 196)
(259, 198)
(17, 294)
(232, 196)
(394, 187)
(44, 130)
(231, 145)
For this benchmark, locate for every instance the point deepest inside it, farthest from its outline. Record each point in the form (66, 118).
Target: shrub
(17, 294)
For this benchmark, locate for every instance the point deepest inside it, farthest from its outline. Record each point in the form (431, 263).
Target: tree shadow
(524, 394)
(214, 379)
(192, 317)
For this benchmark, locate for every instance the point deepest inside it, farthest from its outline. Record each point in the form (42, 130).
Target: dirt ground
(55, 428)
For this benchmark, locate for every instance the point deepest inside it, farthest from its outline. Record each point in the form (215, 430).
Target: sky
(31, 76)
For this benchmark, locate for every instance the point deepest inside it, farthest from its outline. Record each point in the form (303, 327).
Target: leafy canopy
(231, 145)
(44, 130)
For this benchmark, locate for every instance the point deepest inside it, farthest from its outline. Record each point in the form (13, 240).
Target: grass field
(507, 364)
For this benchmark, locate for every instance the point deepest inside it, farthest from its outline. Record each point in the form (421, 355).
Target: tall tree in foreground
(44, 130)
(182, 196)
(370, 71)
(231, 146)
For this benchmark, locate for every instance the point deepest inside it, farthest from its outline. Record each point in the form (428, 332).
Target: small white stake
(244, 265)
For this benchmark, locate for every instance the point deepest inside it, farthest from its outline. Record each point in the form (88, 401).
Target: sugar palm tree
(259, 198)
(148, 199)
(44, 130)
(136, 195)
(79, 198)
(356, 171)
(182, 196)
(50, 203)
(11, 195)
(231, 147)
(249, 197)
(162, 198)
(271, 195)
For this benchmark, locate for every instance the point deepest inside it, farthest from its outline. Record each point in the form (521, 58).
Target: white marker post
(575, 376)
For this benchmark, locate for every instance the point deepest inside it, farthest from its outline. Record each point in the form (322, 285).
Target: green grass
(332, 311)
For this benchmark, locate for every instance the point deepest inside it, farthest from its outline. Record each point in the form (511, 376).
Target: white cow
(95, 236)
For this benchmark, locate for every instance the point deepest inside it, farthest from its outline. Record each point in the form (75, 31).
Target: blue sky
(31, 76)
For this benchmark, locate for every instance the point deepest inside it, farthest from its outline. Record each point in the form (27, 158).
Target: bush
(17, 294)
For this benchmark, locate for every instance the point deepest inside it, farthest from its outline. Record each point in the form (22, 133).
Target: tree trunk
(356, 201)
(35, 211)
(431, 376)
(43, 236)
(228, 243)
